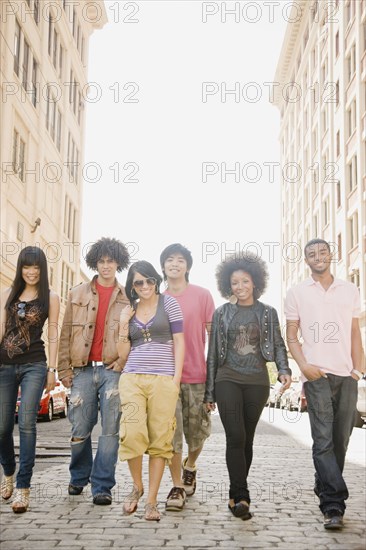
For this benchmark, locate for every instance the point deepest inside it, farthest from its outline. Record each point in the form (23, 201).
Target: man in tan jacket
(89, 364)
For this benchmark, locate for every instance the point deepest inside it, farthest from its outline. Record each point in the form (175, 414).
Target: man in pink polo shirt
(191, 415)
(326, 310)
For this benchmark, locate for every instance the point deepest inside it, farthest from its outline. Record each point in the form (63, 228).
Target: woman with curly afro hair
(245, 335)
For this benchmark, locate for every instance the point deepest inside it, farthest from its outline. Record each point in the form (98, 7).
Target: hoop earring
(233, 299)
(156, 289)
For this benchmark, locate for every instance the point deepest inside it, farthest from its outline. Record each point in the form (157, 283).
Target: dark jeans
(331, 407)
(240, 406)
(31, 378)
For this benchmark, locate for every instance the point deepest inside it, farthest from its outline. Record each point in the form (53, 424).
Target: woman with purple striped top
(152, 344)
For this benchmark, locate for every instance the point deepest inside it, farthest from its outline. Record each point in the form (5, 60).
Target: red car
(55, 402)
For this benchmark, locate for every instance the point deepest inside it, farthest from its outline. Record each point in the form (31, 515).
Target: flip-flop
(133, 497)
(151, 512)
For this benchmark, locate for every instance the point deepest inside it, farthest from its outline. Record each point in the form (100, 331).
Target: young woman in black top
(24, 309)
(245, 335)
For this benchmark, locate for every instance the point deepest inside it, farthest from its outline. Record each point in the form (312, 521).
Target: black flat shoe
(240, 510)
(75, 490)
(333, 520)
(102, 499)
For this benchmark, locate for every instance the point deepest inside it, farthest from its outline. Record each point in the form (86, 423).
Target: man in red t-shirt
(88, 362)
(192, 418)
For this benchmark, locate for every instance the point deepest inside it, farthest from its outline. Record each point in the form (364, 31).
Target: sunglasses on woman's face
(139, 283)
(21, 310)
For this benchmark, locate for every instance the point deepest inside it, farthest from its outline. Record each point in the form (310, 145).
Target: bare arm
(4, 297)
(309, 371)
(53, 315)
(357, 352)
(178, 342)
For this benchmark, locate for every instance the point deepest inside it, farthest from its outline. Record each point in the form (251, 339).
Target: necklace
(31, 300)
(148, 312)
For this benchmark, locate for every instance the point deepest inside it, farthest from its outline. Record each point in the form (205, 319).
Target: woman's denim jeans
(94, 387)
(31, 378)
(331, 405)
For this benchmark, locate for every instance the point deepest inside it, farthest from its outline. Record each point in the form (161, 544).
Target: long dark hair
(31, 255)
(146, 270)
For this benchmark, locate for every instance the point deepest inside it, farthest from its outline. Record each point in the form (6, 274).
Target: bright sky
(162, 118)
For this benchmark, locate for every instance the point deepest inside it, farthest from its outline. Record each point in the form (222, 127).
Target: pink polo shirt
(197, 307)
(325, 322)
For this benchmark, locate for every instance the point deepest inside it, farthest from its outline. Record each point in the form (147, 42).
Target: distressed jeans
(331, 406)
(31, 378)
(93, 388)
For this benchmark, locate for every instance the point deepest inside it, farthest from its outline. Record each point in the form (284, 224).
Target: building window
(338, 194)
(36, 11)
(337, 44)
(53, 119)
(324, 120)
(355, 278)
(337, 93)
(73, 160)
(353, 230)
(17, 48)
(25, 64)
(20, 231)
(60, 61)
(55, 48)
(338, 144)
(18, 157)
(351, 118)
(50, 26)
(351, 63)
(350, 11)
(326, 211)
(34, 97)
(315, 225)
(339, 246)
(69, 219)
(352, 174)
(67, 281)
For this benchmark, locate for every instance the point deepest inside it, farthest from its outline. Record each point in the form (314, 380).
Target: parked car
(360, 413)
(52, 403)
(297, 399)
(275, 395)
(286, 398)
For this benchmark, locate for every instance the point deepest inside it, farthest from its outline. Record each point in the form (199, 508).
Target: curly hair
(247, 262)
(111, 248)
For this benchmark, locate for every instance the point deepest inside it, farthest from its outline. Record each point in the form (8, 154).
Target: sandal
(151, 512)
(132, 500)
(240, 510)
(6, 487)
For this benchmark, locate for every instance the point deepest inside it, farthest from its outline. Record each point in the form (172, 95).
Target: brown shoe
(21, 501)
(189, 478)
(176, 500)
(6, 487)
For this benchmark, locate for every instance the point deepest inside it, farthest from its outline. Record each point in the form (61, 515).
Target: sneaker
(176, 500)
(6, 487)
(333, 519)
(21, 501)
(189, 478)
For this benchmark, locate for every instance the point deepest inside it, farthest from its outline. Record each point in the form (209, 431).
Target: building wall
(323, 137)
(43, 85)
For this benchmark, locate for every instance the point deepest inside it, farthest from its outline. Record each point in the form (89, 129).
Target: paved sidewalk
(286, 513)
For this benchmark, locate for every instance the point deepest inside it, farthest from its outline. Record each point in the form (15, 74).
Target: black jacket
(271, 342)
